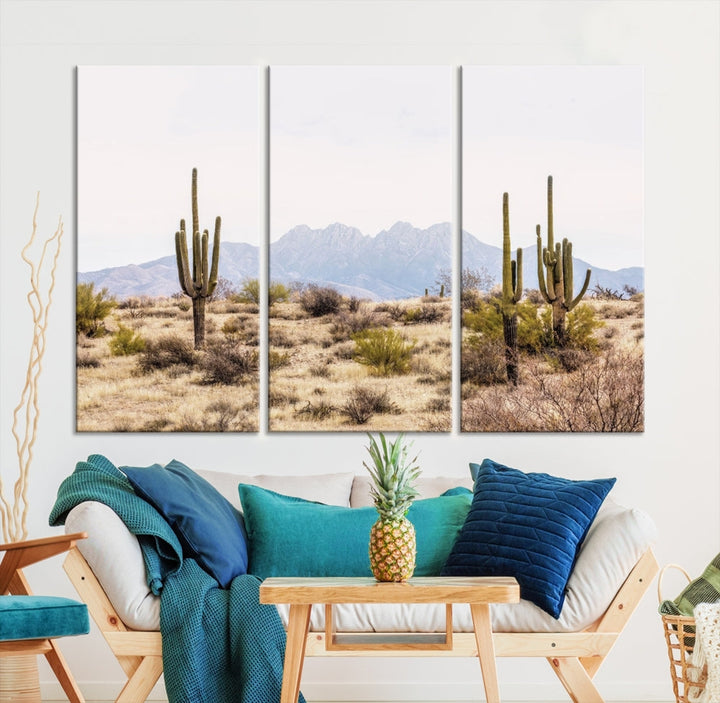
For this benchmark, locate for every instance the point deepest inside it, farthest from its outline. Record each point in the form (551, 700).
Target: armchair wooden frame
(575, 657)
(18, 555)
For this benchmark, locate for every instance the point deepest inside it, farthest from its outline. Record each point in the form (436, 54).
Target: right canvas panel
(552, 249)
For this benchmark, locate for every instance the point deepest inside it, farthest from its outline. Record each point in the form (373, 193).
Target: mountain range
(400, 262)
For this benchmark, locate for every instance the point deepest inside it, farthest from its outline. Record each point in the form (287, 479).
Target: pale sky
(580, 124)
(141, 130)
(362, 145)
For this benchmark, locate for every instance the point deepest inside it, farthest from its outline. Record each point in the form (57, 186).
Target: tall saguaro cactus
(201, 283)
(556, 280)
(512, 291)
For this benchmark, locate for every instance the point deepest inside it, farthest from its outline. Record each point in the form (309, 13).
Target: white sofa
(614, 567)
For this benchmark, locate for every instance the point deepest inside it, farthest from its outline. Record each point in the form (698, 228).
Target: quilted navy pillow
(209, 528)
(526, 525)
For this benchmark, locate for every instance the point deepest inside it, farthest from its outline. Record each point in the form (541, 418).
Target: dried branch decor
(27, 413)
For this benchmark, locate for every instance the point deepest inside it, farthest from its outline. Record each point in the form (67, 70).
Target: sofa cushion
(427, 487)
(526, 525)
(332, 489)
(210, 530)
(40, 617)
(289, 536)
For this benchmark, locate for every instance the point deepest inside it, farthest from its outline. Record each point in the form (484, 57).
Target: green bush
(91, 309)
(581, 324)
(125, 342)
(485, 319)
(385, 351)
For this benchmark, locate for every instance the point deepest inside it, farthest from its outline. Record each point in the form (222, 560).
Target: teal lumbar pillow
(290, 536)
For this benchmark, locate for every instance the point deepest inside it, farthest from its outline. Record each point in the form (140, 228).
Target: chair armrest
(21, 554)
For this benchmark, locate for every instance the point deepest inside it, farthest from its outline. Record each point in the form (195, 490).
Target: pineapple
(392, 538)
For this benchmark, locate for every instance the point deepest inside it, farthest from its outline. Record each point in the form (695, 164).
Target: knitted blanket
(219, 645)
(706, 652)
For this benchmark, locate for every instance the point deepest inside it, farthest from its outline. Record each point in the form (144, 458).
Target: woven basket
(680, 640)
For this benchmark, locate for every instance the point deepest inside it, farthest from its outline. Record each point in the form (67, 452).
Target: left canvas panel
(167, 314)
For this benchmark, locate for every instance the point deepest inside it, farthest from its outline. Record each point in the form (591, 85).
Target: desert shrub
(320, 371)
(534, 332)
(276, 360)
(534, 296)
(183, 305)
(232, 326)
(126, 341)
(482, 361)
(438, 404)
(353, 304)
(86, 360)
(363, 403)
(394, 311)
(345, 351)
(485, 319)
(426, 314)
(224, 290)
(604, 395)
(167, 351)
(347, 324)
(581, 324)
(220, 416)
(227, 363)
(320, 300)
(91, 309)
(249, 292)
(279, 338)
(317, 411)
(278, 293)
(385, 351)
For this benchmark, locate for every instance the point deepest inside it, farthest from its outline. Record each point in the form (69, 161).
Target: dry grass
(115, 395)
(323, 387)
(568, 392)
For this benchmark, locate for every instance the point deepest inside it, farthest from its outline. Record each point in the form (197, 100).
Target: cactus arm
(196, 219)
(181, 255)
(212, 283)
(202, 283)
(507, 277)
(582, 292)
(541, 273)
(567, 265)
(551, 236)
(517, 277)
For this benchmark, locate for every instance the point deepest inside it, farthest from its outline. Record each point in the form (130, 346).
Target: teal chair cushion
(41, 617)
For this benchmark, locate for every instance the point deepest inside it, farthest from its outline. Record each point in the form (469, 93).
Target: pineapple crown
(393, 476)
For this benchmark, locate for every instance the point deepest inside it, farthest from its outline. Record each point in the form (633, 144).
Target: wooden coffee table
(302, 593)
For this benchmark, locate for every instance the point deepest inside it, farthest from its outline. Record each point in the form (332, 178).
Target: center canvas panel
(168, 241)
(360, 248)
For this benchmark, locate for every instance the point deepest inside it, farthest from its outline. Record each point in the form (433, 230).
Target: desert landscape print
(167, 302)
(360, 249)
(553, 278)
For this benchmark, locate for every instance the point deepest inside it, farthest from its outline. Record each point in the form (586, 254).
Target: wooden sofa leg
(62, 672)
(575, 679)
(141, 682)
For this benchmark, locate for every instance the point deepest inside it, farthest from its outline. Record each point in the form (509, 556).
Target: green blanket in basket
(704, 589)
(219, 645)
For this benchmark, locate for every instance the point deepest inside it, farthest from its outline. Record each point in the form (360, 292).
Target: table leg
(486, 650)
(298, 626)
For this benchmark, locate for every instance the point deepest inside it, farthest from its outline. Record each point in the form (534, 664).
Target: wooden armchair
(30, 624)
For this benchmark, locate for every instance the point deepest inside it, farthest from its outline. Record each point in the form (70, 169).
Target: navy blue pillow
(526, 525)
(209, 528)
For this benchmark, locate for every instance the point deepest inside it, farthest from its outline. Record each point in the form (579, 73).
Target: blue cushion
(40, 617)
(295, 537)
(209, 528)
(526, 525)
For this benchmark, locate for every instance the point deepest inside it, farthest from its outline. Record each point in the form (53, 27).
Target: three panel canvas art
(323, 274)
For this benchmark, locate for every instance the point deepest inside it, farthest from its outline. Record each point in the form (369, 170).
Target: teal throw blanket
(219, 645)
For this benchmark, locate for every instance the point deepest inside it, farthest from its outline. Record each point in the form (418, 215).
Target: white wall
(671, 471)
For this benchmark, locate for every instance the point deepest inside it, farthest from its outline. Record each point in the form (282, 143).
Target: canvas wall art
(360, 248)
(552, 249)
(168, 243)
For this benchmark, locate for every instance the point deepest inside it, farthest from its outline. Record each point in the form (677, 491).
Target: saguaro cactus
(512, 291)
(556, 280)
(201, 283)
